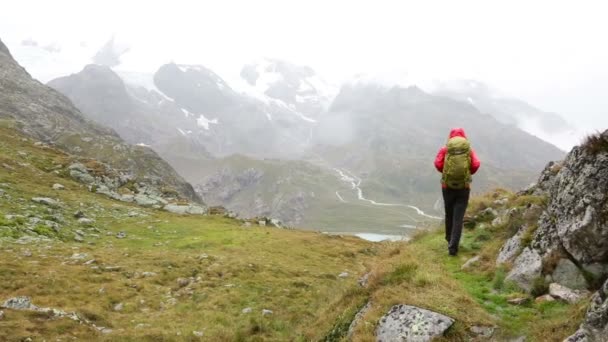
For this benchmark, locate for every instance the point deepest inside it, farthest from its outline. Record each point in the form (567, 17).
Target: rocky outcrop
(569, 249)
(595, 325)
(572, 235)
(25, 304)
(410, 323)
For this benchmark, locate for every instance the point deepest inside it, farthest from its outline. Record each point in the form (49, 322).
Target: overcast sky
(551, 53)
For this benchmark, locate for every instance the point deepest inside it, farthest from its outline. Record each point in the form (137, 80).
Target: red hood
(457, 132)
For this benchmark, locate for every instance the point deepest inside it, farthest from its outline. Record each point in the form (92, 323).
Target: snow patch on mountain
(184, 132)
(144, 80)
(203, 122)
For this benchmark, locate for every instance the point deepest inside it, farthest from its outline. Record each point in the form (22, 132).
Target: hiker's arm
(475, 163)
(439, 160)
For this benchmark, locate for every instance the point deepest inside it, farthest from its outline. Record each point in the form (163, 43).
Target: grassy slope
(292, 273)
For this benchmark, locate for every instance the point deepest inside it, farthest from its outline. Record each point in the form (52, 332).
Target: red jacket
(440, 159)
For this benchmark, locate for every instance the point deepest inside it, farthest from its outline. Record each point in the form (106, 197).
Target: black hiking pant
(455, 201)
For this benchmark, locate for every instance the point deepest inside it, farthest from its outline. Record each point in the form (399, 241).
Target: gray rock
(145, 201)
(58, 186)
(470, 263)
(410, 323)
(183, 282)
(27, 253)
(198, 333)
(1, 315)
(481, 331)
(577, 197)
(176, 209)
(197, 210)
(80, 173)
(78, 238)
(133, 214)
(185, 209)
(594, 327)
(79, 256)
(526, 268)
(364, 280)
(247, 310)
(126, 198)
(598, 270)
(567, 274)
(121, 235)
(266, 312)
(262, 223)
(518, 339)
(86, 221)
(358, 317)
(501, 201)
(509, 250)
(561, 292)
(544, 298)
(343, 275)
(19, 303)
(119, 307)
(518, 300)
(497, 221)
(46, 201)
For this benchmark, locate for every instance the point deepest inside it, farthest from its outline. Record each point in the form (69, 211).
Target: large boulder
(576, 216)
(527, 267)
(410, 323)
(567, 273)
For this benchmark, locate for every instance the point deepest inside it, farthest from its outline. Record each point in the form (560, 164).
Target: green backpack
(456, 170)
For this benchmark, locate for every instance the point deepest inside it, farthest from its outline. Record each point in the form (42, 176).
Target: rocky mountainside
(562, 245)
(390, 135)
(383, 139)
(296, 87)
(509, 111)
(49, 116)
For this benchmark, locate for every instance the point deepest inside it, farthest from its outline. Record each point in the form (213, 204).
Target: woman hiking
(456, 161)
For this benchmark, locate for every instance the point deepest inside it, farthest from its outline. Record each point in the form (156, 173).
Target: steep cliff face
(569, 246)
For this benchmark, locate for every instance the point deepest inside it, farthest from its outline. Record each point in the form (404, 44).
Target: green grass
(206, 270)
(549, 321)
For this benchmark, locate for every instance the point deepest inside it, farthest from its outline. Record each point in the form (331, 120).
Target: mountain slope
(47, 115)
(373, 139)
(510, 111)
(389, 138)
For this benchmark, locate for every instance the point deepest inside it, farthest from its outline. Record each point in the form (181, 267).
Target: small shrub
(539, 286)
(596, 143)
(483, 235)
(527, 200)
(95, 318)
(526, 238)
(498, 282)
(44, 230)
(394, 251)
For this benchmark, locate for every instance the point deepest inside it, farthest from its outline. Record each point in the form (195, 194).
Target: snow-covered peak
(281, 83)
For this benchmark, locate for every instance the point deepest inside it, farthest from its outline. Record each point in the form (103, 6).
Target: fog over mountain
(556, 67)
(340, 109)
